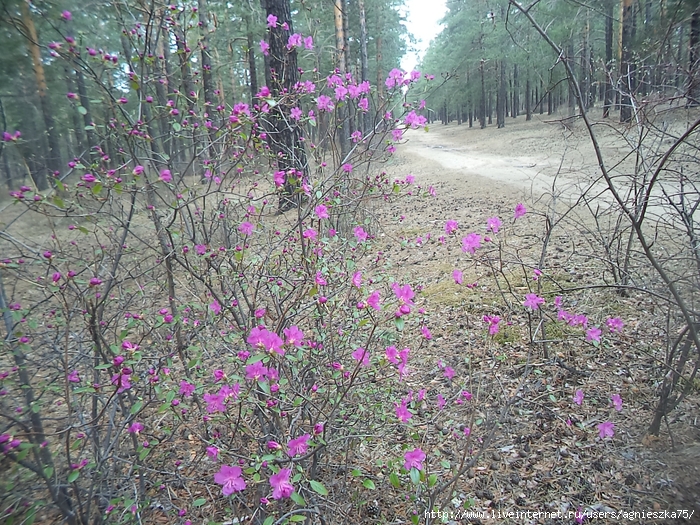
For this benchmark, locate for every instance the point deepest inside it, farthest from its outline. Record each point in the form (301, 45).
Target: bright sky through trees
(423, 22)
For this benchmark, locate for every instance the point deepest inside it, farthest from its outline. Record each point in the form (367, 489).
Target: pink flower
(73, 377)
(357, 279)
(271, 20)
(264, 48)
(281, 487)
(215, 307)
(215, 402)
(414, 459)
(449, 372)
(450, 226)
(363, 104)
(121, 381)
(279, 178)
(213, 453)
(402, 411)
(533, 301)
(362, 356)
(309, 42)
(520, 210)
(392, 354)
(426, 332)
(262, 338)
(441, 402)
(135, 428)
(457, 276)
(230, 479)
(373, 300)
(166, 176)
(246, 228)
(294, 336)
(321, 211)
(578, 397)
(298, 446)
(494, 224)
(324, 103)
(606, 429)
(256, 371)
(294, 41)
(360, 233)
(471, 243)
(186, 389)
(615, 324)
(593, 334)
(617, 402)
(67, 16)
(493, 322)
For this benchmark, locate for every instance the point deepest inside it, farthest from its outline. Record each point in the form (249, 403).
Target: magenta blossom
(73, 377)
(402, 411)
(414, 459)
(373, 300)
(593, 334)
(135, 428)
(321, 211)
(246, 228)
(616, 401)
(230, 478)
(606, 429)
(578, 397)
(615, 324)
(494, 224)
(520, 210)
(493, 322)
(294, 336)
(262, 338)
(360, 233)
(533, 301)
(450, 226)
(457, 276)
(471, 243)
(362, 356)
(281, 486)
(298, 446)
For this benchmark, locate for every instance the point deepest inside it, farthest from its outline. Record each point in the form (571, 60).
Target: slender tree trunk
(482, 102)
(53, 156)
(378, 40)
(501, 96)
(341, 61)
(608, 58)
(627, 73)
(693, 58)
(252, 69)
(515, 107)
(364, 61)
(528, 96)
(281, 74)
(570, 83)
(207, 81)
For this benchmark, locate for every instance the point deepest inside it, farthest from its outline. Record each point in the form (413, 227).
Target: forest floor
(546, 454)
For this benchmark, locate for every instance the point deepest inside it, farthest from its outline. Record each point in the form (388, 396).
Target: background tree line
(622, 52)
(72, 72)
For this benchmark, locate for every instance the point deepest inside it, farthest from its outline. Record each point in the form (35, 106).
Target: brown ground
(536, 461)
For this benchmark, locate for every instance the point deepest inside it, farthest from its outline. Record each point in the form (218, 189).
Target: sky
(423, 18)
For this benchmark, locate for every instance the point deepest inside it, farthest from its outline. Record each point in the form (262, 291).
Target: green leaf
(432, 480)
(97, 188)
(176, 126)
(415, 475)
(394, 480)
(356, 472)
(48, 472)
(297, 518)
(89, 128)
(296, 498)
(82, 110)
(269, 520)
(318, 487)
(199, 502)
(58, 201)
(369, 484)
(399, 322)
(136, 408)
(73, 475)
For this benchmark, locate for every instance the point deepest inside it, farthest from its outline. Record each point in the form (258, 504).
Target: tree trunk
(627, 73)
(501, 97)
(380, 72)
(528, 96)
(608, 101)
(53, 156)
(342, 64)
(252, 69)
(482, 102)
(693, 93)
(364, 61)
(515, 107)
(207, 81)
(281, 74)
